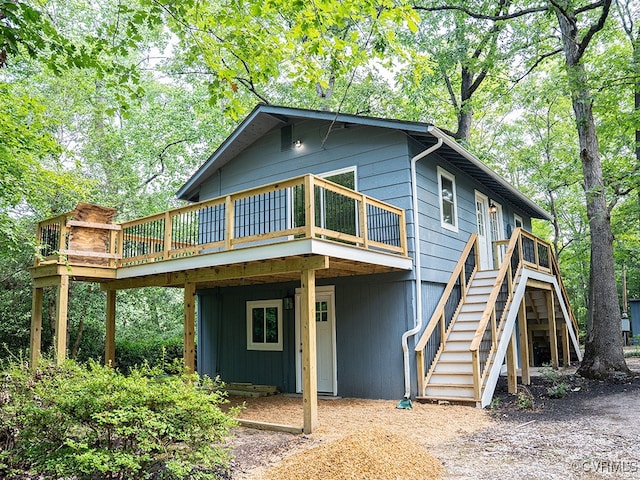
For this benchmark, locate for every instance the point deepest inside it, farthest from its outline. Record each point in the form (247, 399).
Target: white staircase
(451, 374)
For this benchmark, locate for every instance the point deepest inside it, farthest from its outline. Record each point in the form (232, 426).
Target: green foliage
(157, 352)
(559, 387)
(525, 400)
(91, 421)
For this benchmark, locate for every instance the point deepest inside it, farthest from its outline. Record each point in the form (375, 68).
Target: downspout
(406, 401)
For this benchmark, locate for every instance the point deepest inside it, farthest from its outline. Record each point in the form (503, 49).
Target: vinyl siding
(380, 156)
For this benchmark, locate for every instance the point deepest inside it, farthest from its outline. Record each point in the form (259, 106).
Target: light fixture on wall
(297, 143)
(492, 207)
(287, 303)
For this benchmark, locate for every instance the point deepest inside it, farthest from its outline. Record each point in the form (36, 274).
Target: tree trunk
(603, 349)
(465, 112)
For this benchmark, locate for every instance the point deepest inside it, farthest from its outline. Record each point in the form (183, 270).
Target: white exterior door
(325, 341)
(484, 232)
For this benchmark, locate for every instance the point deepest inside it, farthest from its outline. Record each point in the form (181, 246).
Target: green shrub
(525, 400)
(157, 352)
(559, 387)
(90, 421)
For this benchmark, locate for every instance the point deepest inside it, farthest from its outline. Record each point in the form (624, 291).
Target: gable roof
(264, 118)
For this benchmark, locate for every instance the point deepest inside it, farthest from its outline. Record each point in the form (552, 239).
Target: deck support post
(566, 353)
(524, 343)
(553, 336)
(189, 326)
(512, 372)
(35, 343)
(309, 357)
(62, 306)
(110, 331)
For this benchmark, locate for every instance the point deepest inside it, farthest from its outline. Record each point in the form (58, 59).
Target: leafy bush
(559, 390)
(92, 421)
(525, 399)
(559, 387)
(157, 352)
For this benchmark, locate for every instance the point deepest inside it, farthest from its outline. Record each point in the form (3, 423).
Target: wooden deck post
(189, 326)
(62, 305)
(36, 327)
(110, 331)
(566, 353)
(524, 343)
(553, 336)
(512, 372)
(309, 375)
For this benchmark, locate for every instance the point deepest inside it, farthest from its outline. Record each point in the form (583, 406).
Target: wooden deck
(294, 230)
(214, 241)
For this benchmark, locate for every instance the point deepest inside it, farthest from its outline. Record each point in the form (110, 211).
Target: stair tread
(447, 372)
(455, 362)
(460, 386)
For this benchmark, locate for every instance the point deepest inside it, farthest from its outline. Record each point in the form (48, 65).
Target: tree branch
(452, 94)
(595, 28)
(161, 158)
(538, 62)
(482, 16)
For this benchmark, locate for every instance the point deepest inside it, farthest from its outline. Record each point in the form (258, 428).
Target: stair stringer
(507, 331)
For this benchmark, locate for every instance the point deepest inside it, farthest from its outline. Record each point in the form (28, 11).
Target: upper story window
(264, 325)
(517, 219)
(448, 200)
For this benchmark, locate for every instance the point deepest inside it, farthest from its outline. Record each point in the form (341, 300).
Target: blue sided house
(342, 255)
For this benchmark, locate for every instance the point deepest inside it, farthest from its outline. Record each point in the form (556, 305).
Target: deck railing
(435, 334)
(301, 207)
(52, 237)
(522, 250)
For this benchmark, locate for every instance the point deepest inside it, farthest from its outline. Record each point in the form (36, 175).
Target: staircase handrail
(556, 272)
(510, 272)
(438, 317)
(458, 273)
(491, 301)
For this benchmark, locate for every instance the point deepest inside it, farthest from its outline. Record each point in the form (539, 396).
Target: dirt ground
(591, 433)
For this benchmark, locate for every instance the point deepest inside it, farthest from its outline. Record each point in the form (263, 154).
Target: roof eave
(450, 142)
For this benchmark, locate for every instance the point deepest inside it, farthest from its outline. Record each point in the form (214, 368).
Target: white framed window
(448, 200)
(264, 325)
(517, 220)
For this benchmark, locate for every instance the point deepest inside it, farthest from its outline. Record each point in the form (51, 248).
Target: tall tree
(466, 52)
(603, 347)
